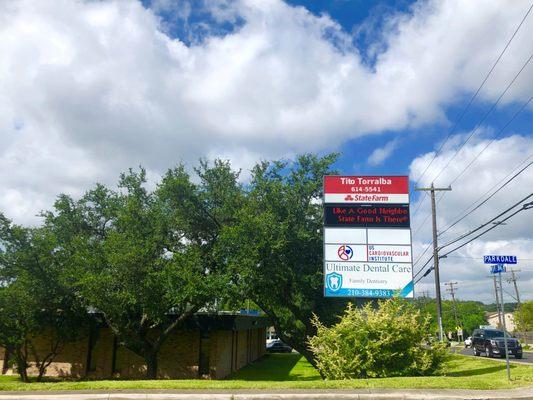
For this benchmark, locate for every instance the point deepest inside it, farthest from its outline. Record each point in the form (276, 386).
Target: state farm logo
(345, 252)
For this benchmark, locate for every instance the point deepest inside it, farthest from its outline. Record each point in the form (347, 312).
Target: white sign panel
(371, 256)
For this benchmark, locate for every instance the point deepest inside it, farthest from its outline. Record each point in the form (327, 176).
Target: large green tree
(35, 298)
(146, 259)
(275, 248)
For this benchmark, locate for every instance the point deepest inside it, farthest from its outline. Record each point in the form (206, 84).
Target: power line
(492, 195)
(488, 230)
(476, 127)
(475, 94)
(487, 223)
(526, 206)
(493, 140)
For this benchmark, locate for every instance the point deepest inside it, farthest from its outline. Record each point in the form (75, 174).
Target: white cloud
(382, 153)
(91, 88)
(494, 166)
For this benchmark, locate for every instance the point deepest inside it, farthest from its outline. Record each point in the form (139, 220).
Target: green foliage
(390, 340)
(35, 298)
(524, 317)
(470, 314)
(146, 259)
(275, 247)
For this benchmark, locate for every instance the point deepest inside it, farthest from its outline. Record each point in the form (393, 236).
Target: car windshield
(495, 333)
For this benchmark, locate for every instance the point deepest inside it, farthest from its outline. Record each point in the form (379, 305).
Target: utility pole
(452, 290)
(433, 189)
(497, 300)
(513, 279)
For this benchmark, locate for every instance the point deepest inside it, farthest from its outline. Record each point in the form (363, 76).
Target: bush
(390, 340)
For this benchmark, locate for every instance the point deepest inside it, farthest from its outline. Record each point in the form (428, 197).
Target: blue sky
(363, 21)
(94, 88)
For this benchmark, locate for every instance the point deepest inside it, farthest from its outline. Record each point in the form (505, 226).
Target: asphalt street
(526, 359)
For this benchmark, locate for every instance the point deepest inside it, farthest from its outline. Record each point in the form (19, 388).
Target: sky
(91, 88)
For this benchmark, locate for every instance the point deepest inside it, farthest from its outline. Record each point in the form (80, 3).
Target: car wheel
(488, 351)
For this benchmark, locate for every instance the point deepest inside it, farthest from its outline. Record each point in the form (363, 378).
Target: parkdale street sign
(500, 259)
(367, 237)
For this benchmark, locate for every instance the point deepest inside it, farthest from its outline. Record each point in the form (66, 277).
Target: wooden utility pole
(452, 290)
(513, 279)
(497, 300)
(432, 189)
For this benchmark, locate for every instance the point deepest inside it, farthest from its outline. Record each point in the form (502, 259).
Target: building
(494, 320)
(207, 346)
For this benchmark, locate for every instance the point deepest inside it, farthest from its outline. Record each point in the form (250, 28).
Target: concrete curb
(375, 394)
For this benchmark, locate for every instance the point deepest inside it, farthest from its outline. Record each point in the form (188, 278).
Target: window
(205, 349)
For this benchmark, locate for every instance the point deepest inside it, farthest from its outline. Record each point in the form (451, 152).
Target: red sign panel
(366, 184)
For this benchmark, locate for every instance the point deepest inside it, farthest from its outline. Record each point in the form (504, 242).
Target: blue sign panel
(497, 269)
(499, 259)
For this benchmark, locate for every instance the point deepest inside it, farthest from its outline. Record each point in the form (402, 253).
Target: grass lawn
(291, 371)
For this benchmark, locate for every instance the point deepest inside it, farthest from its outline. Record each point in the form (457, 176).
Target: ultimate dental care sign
(367, 237)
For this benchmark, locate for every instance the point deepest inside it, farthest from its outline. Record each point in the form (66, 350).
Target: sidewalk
(362, 394)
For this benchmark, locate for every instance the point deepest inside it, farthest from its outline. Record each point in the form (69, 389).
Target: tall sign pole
(504, 323)
(433, 189)
(498, 269)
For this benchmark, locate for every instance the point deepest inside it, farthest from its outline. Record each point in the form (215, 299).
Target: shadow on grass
(478, 371)
(278, 367)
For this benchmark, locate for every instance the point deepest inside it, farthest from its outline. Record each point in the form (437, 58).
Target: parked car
(468, 341)
(491, 342)
(277, 346)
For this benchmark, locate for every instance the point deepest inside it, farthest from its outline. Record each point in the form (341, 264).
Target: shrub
(390, 340)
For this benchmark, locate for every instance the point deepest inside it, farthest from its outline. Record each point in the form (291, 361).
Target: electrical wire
(524, 207)
(492, 141)
(475, 94)
(484, 232)
(473, 132)
(486, 223)
(488, 198)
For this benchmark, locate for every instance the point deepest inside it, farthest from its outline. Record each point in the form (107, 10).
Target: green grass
(291, 371)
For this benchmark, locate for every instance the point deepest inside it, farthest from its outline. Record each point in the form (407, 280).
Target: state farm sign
(366, 189)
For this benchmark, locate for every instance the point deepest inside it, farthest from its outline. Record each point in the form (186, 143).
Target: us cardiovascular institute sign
(367, 237)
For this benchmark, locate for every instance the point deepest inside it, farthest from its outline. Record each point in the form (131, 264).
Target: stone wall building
(207, 346)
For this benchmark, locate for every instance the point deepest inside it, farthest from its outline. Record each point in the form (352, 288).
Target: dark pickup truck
(491, 342)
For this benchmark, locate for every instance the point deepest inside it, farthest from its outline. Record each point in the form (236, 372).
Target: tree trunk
(22, 366)
(151, 365)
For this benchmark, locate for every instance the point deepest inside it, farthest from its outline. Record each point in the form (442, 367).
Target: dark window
(205, 349)
(493, 334)
(91, 361)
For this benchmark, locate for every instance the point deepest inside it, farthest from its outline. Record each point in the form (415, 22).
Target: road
(526, 359)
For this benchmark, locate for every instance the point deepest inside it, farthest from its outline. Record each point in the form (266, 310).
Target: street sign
(497, 269)
(500, 259)
(367, 237)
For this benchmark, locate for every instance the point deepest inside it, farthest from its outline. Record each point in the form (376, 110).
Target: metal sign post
(498, 269)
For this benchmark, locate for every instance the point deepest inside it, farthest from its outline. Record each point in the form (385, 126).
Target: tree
(524, 317)
(470, 314)
(390, 340)
(275, 248)
(146, 259)
(35, 300)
